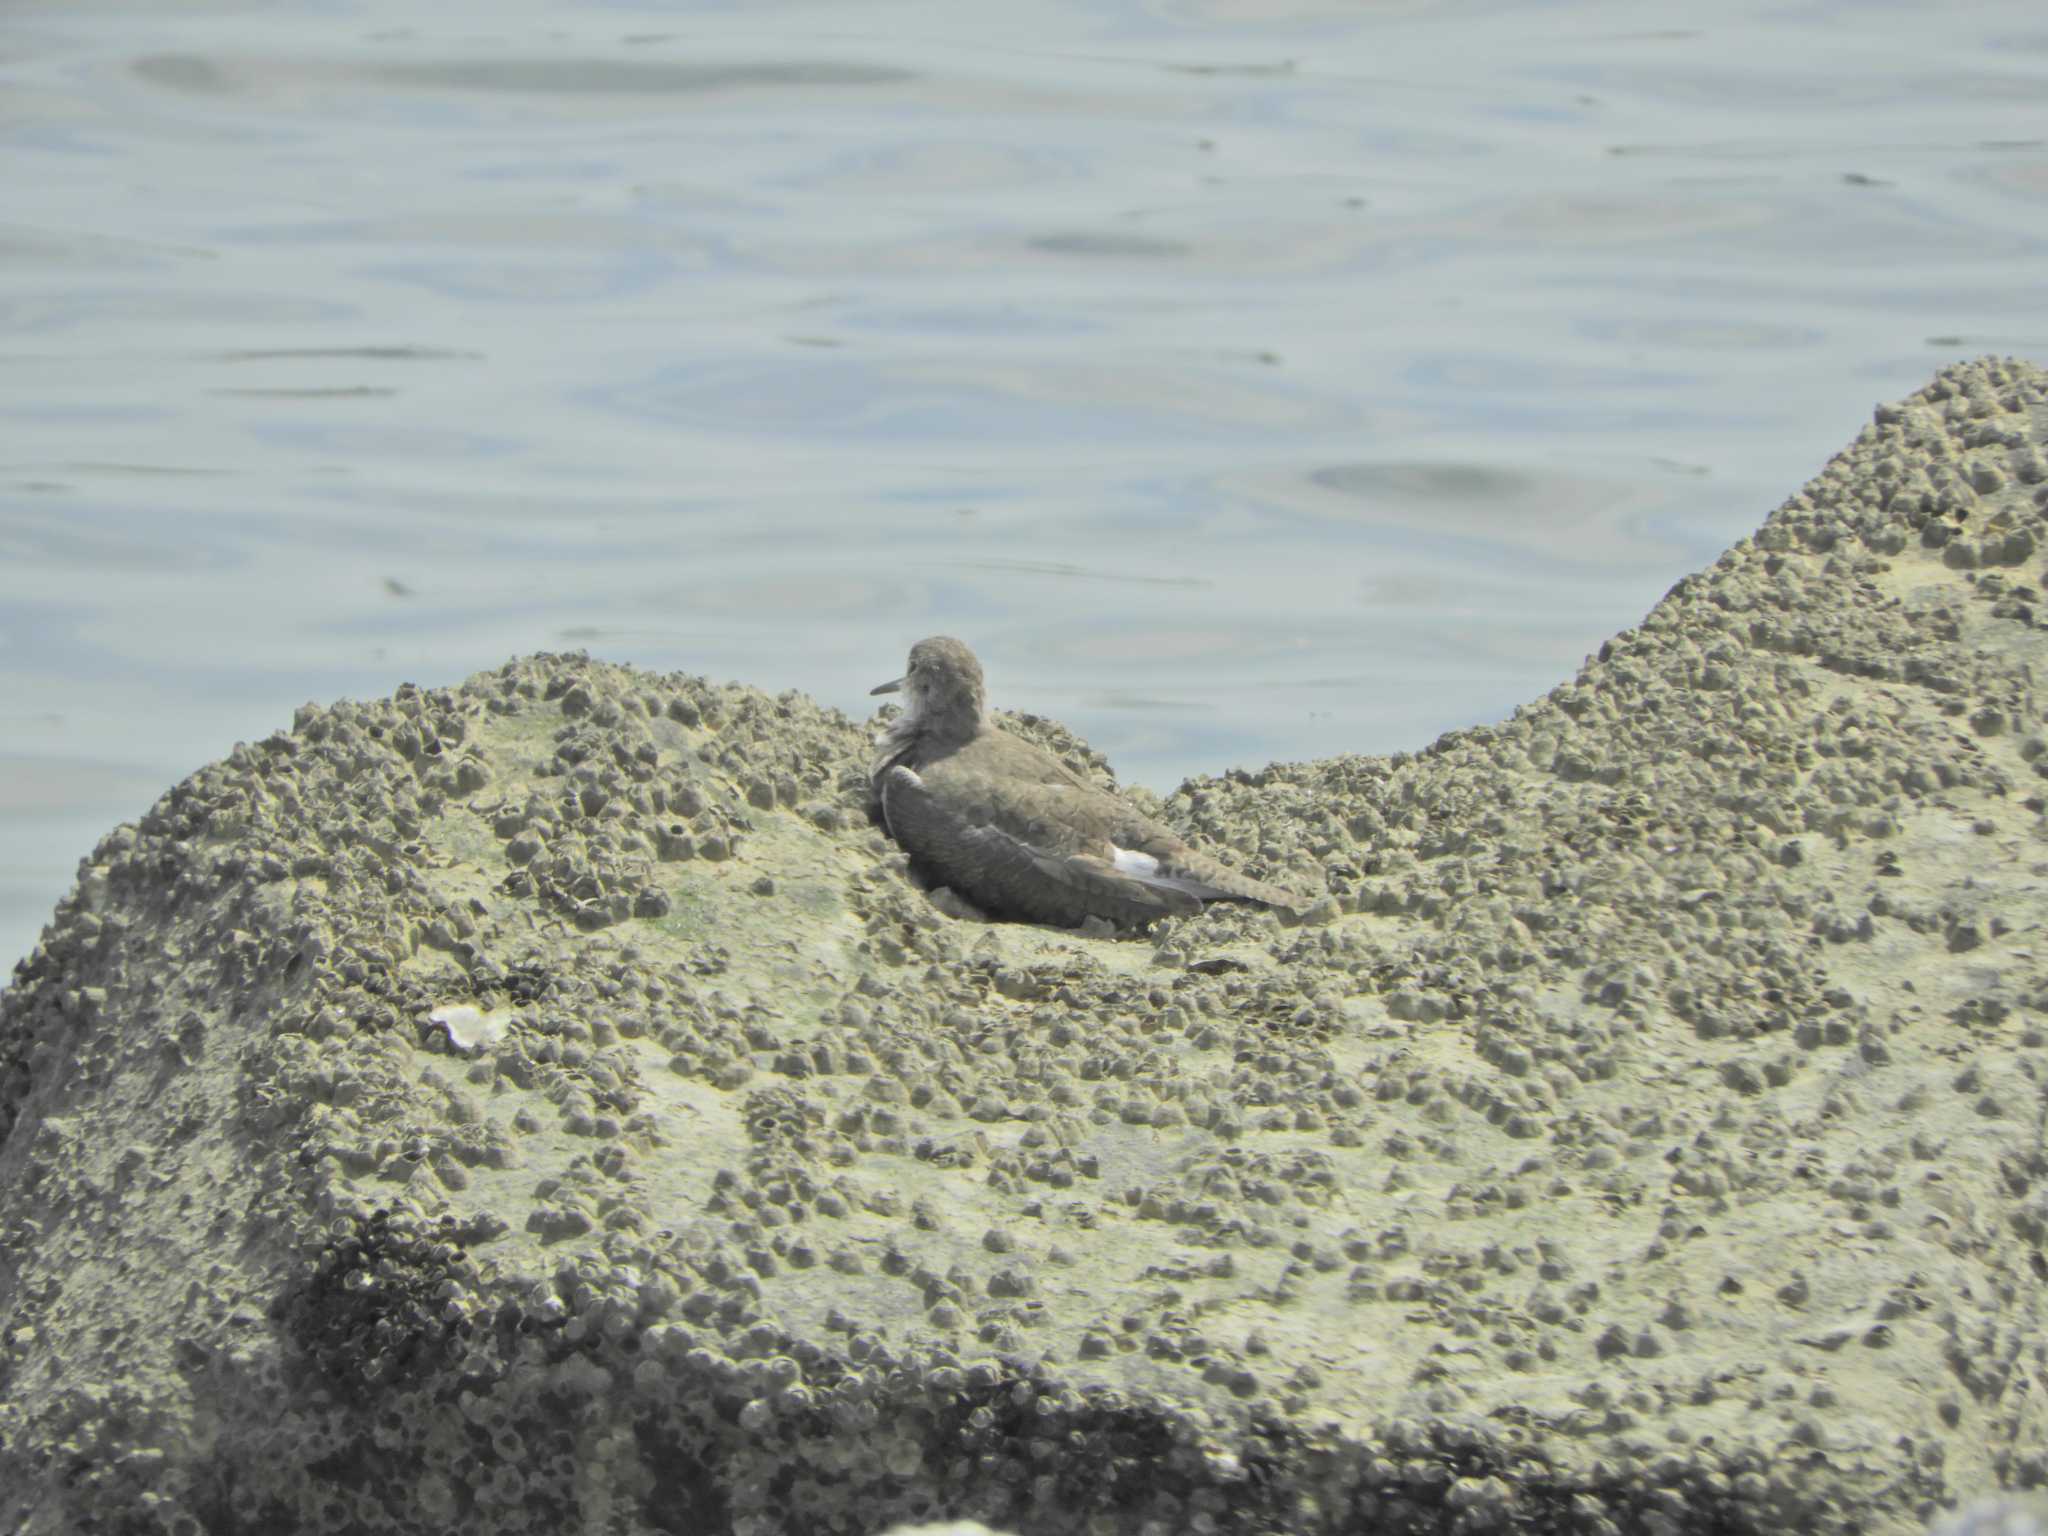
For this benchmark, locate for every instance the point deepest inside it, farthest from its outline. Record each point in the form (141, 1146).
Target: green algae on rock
(1645, 1134)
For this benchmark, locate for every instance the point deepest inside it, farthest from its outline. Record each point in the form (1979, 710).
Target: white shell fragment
(469, 1027)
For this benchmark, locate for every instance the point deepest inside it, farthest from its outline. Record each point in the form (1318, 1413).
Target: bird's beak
(894, 687)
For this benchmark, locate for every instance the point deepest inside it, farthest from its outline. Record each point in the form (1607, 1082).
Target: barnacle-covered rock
(549, 1103)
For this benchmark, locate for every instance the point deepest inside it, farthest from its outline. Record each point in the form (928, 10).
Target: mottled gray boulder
(548, 1104)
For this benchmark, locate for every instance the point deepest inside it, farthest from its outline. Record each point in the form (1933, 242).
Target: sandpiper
(1012, 829)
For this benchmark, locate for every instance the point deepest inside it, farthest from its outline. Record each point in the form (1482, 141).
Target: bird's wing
(998, 870)
(1139, 848)
(997, 751)
(1047, 798)
(1153, 870)
(1168, 862)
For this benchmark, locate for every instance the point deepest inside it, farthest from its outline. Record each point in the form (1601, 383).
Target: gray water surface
(1245, 381)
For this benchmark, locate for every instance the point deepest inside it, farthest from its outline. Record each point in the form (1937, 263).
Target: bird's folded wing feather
(1129, 842)
(1138, 848)
(993, 867)
(1191, 870)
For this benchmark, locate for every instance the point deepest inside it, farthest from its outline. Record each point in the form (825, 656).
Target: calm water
(1244, 380)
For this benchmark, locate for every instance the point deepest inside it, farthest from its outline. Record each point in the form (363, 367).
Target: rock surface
(546, 1104)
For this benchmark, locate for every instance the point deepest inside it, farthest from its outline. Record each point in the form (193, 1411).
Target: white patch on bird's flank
(898, 774)
(469, 1027)
(1131, 862)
